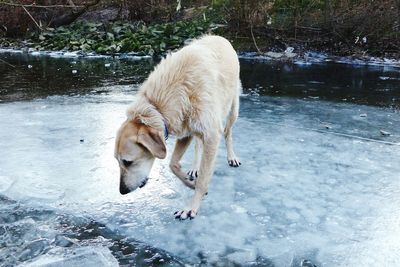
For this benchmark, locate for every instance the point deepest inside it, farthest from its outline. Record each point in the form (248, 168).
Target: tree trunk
(71, 17)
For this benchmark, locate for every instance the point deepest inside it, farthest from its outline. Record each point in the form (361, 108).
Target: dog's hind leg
(210, 147)
(198, 148)
(181, 146)
(233, 161)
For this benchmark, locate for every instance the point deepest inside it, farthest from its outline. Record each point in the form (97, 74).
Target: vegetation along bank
(338, 27)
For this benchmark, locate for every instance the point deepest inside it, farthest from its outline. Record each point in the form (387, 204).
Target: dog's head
(136, 147)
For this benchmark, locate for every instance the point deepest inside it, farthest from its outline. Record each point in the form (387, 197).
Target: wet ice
(304, 192)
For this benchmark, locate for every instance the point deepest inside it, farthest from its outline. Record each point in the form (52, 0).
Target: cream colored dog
(189, 94)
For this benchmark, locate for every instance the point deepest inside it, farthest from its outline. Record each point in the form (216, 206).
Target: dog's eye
(127, 163)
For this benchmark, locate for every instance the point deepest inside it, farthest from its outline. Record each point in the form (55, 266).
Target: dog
(190, 94)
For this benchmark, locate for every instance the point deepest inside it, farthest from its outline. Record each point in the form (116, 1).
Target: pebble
(384, 133)
(327, 126)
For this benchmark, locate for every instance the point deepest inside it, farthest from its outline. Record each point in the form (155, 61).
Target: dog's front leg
(180, 148)
(210, 147)
(198, 151)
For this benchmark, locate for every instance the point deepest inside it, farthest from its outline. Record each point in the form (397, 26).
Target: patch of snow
(274, 54)
(74, 54)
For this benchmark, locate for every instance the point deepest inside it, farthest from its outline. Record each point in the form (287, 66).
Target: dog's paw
(234, 162)
(193, 174)
(185, 214)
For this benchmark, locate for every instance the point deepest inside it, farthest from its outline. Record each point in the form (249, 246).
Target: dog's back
(199, 82)
(224, 54)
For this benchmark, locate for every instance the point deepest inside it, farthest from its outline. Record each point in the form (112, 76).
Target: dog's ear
(153, 141)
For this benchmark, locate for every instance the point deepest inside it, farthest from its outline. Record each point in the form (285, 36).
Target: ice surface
(5, 183)
(67, 54)
(36, 236)
(311, 57)
(88, 257)
(305, 191)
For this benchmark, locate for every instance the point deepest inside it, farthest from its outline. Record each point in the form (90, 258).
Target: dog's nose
(123, 189)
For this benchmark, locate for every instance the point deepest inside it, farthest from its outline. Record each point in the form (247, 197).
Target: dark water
(40, 76)
(370, 85)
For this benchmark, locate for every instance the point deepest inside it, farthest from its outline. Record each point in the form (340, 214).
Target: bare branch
(254, 39)
(29, 14)
(39, 6)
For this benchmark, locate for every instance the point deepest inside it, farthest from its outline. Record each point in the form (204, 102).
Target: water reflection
(369, 85)
(38, 77)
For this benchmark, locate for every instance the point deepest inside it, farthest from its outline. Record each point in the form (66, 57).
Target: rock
(289, 52)
(274, 54)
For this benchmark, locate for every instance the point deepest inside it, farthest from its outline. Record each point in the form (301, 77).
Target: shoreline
(288, 56)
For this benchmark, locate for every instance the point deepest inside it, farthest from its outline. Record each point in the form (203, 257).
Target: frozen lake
(319, 182)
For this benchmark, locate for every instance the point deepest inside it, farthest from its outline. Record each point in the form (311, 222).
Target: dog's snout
(123, 189)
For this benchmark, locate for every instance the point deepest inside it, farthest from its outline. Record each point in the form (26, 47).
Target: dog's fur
(190, 94)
